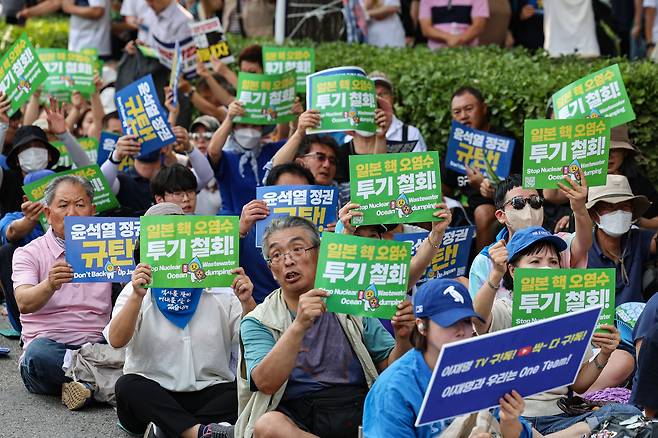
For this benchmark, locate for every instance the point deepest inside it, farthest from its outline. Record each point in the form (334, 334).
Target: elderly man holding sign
(57, 315)
(304, 371)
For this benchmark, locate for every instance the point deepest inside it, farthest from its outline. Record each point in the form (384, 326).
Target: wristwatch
(112, 159)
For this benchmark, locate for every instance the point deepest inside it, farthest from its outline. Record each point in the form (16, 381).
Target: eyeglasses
(518, 202)
(181, 195)
(322, 157)
(200, 135)
(295, 254)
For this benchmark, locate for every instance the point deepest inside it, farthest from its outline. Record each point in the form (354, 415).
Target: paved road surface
(27, 415)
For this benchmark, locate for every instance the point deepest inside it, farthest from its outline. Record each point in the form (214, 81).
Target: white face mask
(616, 223)
(524, 218)
(33, 159)
(365, 133)
(248, 138)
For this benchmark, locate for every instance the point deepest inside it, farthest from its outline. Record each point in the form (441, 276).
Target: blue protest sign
(319, 204)
(142, 115)
(452, 257)
(106, 145)
(100, 249)
(474, 148)
(472, 374)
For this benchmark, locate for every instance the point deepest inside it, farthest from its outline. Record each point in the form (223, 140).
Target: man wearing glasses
(305, 371)
(518, 208)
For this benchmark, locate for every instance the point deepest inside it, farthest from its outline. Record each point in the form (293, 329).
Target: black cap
(24, 135)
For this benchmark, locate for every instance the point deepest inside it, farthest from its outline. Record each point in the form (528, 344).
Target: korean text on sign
(210, 41)
(190, 251)
(318, 204)
(366, 277)
(142, 115)
(21, 73)
(451, 259)
(600, 94)
(395, 188)
(104, 199)
(474, 374)
(478, 150)
(555, 149)
(282, 59)
(267, 99)
(543, 293)
(346, 101)
(100, 249)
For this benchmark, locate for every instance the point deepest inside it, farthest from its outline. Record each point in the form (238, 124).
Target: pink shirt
(76, 313)
(452, 16)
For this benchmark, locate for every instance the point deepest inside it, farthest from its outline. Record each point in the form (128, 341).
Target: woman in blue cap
(535, 247)
(444, 313)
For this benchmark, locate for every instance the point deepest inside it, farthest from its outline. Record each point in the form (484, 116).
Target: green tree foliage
(515, 83)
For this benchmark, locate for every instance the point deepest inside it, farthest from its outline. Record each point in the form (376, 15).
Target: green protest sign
(395, 188)
(544, 293)
(346, 102)
(365, 277)
(104, 199)
(190, 251)
(147, 51)
(282, 59)
(88, 144)
(21, 72)
(267, 99)
(67, 71)
(600, 94)
(554, 149)
(92, 52)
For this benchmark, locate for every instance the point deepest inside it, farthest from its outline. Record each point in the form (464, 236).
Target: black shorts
(334, 412)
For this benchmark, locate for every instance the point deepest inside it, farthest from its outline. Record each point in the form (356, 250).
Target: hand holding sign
(511, 408)
(308, 120)
(253, 211)
(141, 277)
(235, 109)
(127, 146)
(5, 106)
(60, 273)
(440, 226)
(310, 307)
(607, 342)
(404, 320)
(346, 214)
(474, 176)
(31, 210)
(242, 286)
(576, 193)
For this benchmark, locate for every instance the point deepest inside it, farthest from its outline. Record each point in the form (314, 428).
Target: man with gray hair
(305, 371)
(56, 314)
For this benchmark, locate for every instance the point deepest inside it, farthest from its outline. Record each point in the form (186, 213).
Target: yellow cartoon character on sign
(353, 116)
(402, 204)
(370, 298)
(573, 171)
(195, 269)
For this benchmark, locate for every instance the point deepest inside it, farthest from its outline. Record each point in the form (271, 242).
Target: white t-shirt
(388, 31)
(188, 359)
(170, 25)
(138, 9)
(652, 4)
(85, 33)
(569, 28)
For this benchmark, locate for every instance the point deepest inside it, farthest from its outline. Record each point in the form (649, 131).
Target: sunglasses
(199, 136)
(519, 202)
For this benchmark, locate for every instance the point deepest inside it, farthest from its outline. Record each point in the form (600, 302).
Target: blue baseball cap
(528, 236)
(444, 301)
